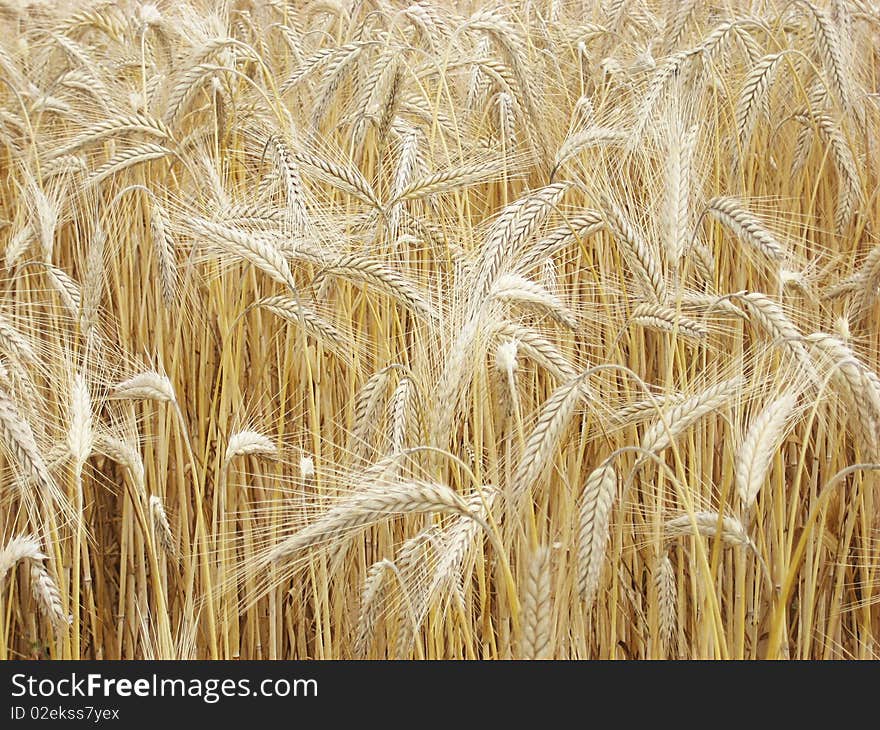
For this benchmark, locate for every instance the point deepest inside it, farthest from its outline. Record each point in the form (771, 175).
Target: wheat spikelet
(347, 179)
(21, 547)
(596, 501)
(537, 628)
(161, 527)
(126, 158)
(680, 417)
(248, 442)
(370, 604)
(523, 292)
(582, 226)
(731, 213)
(80, 434)
(123, 452)
(537, 347)
(47, 596)
(404, 415)
(760, 443)
(509, 233)
(541, 444)
(366, 406)
(679, 162)
(732, 531)
(148, 385)
(666, 319)
(257, 250)
(829, 47)
(753, 96)
(125, 124)
(636, 249)
(372, 504)
(667, 615)
(364, 268)
(293, 311)
(770, 316)
(163, 246)
(18, 437)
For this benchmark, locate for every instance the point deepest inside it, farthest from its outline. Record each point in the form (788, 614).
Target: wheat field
(442, 329)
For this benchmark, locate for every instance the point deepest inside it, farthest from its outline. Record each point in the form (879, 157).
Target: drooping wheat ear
(457, 548)
(677, 420)
(511, 43)
(507, 114)
(148, 385)
(16, 344)
(452, 179)
(93, 282)
(164, 248)
(850, 188)
(828, 43)
(312, 323)
(732, 531)
(247, 215)
(597, 499)
(68, 290)
(666, 319)
(760, 443)
(371, 604)
(537, 347)
(857, 382)
(704, 261)
(161, 527)
(677, 17)
(866, 280)
(710, 305)
(593, 136)
(334, 75)
(580, 227)
(407, 165)
(367, 403)
(347, 179)
(126, 454)
(523, 292)
(18, 243)
(770, 316)
(294, 192)
(357, 267)
(404, 414)
(667, 614)
(846, 286)
(257, 250)
(21, 547)
(454, 380)
(47, 596)
(537, 621)
(126, 158)
(317, 60)
(374, 503)
(509, 233)
(16, 434)
(123, 124)
(635, 250)
(542, 442)
(753, 98)
(667, 71)
(643, 410)
(731, 213)
(679, 179)
(243, 443)
(80, 434)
